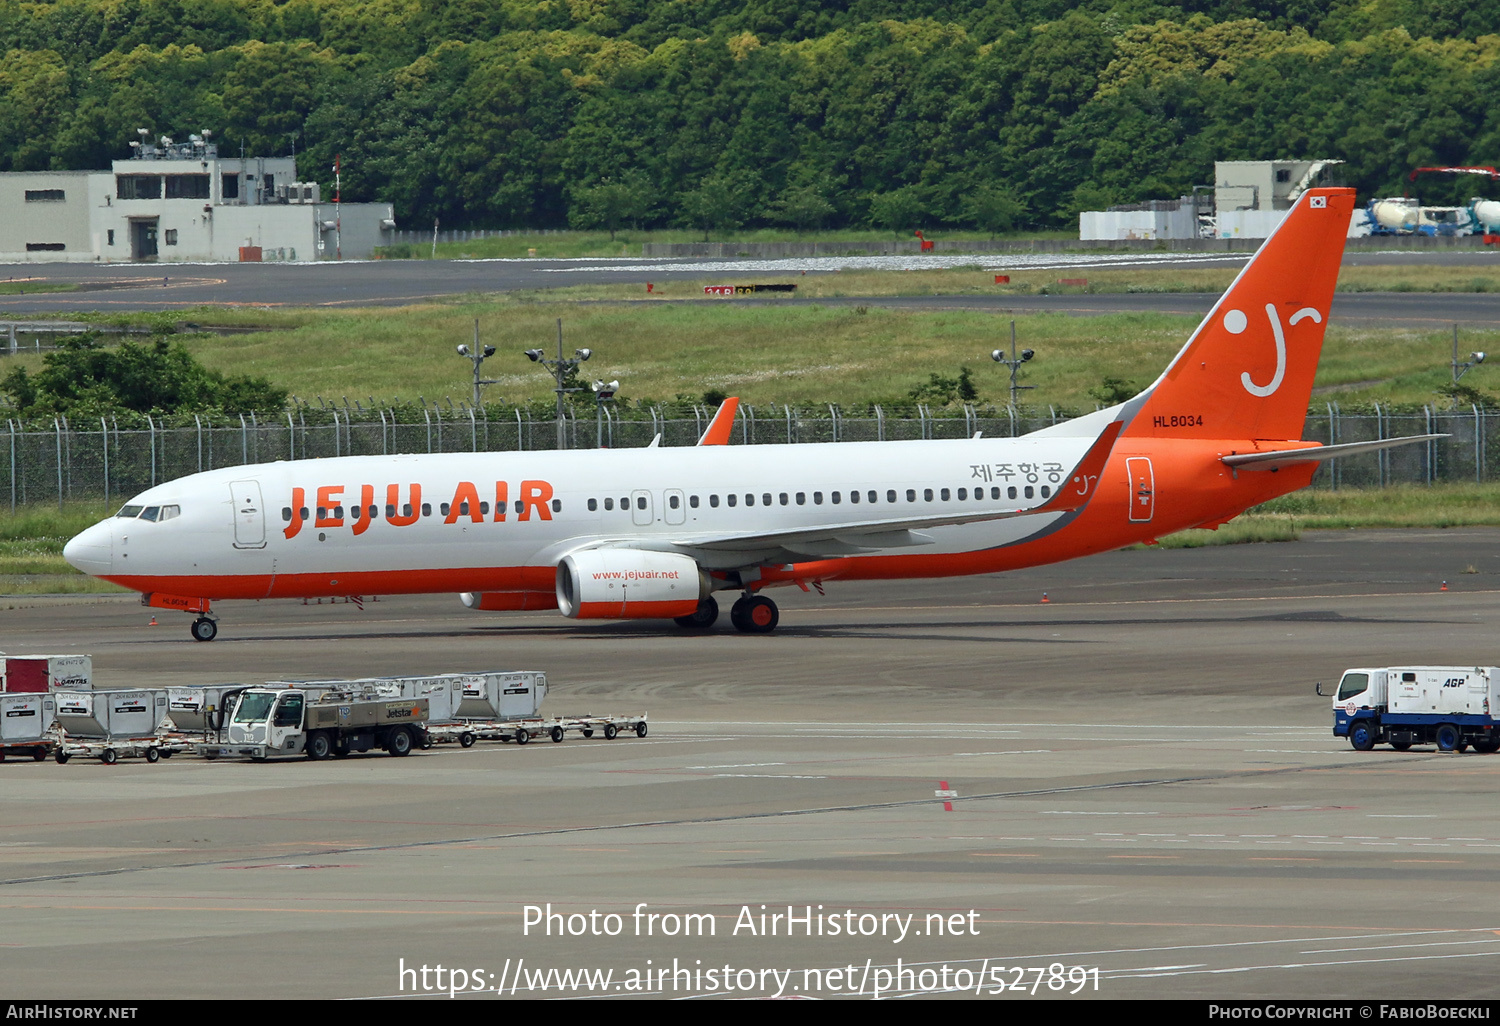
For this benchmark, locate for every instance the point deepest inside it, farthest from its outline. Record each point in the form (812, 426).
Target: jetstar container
(30, 674)
(502, 695)
(110, 713)
(205, 708)
(25, 717)
(444, 693)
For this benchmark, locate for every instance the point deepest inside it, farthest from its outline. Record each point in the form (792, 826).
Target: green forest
(715, 115)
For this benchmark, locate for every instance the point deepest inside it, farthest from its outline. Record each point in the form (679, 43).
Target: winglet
(722, 424)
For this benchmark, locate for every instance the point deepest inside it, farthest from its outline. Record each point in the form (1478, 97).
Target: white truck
(272, 722)
(1452, 707)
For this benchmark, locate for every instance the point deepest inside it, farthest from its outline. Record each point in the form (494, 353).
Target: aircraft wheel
(204, 629)
(1362, 735)
(757, 615)
(701, 619)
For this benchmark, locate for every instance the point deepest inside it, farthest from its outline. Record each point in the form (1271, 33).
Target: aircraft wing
(893, 532)
(1276, 459)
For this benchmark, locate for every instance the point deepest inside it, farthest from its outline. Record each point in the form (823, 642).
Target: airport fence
(101, 460)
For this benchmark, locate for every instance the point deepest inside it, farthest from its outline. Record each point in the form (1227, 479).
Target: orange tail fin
(1247, 372)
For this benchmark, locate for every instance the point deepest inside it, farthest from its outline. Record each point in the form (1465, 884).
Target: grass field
(27, 286)
(768, 354)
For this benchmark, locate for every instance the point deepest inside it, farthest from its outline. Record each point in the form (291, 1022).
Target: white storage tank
(1486, 213)
(1397, 214)
(111, 713)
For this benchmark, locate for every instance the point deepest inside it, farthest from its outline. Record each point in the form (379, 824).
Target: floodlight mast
(478, 355)
(560, 368)
(1014, 363)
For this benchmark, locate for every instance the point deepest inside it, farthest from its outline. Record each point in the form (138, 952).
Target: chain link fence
(101, 460)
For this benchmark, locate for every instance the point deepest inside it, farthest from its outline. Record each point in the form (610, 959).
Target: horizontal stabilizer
(1279, 458)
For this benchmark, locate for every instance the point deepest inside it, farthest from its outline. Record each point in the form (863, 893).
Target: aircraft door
(676, 506)
(640, 507)
(1142, 489)
(249, 515)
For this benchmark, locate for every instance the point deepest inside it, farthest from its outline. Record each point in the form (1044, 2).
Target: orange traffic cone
(1444, 587)
(1045, 599)
(152, 623)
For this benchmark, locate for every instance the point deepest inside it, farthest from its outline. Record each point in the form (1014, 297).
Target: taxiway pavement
(1145, 784)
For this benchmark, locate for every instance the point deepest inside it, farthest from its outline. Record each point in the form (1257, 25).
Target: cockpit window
(129, 511)
(169, 513)
(151, 513)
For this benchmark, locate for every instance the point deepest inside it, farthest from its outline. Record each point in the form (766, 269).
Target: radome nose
(92, 550)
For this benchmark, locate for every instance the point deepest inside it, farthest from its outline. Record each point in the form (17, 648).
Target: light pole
(603, 392)
(1013, 363)
(561, 369)
(478, 355)
(1460, 369)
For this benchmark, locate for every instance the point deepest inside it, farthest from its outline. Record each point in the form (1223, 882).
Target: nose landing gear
(754, 614)
(204, 629)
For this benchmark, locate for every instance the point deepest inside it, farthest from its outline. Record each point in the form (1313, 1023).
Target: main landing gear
(754, 614)
(204, 629)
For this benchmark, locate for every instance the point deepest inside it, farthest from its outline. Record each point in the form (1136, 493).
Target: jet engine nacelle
(628, 584)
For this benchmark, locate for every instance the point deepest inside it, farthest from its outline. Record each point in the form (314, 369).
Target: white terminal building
(183, 202)
(1248, 200)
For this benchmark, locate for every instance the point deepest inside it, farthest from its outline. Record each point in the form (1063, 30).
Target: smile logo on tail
(1235, 322)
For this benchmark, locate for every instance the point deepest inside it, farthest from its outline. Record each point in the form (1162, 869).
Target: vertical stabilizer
(1247, 372)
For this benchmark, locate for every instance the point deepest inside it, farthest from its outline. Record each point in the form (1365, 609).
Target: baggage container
(111, 714)
(444, 692)
(502, 695)
(203, 709)
(26, 725)
(31, 674)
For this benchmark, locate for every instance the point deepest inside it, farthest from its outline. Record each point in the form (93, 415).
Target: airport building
(174, 202)
(1249, 199)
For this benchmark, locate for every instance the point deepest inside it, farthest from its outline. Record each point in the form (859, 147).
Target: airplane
(658, 532)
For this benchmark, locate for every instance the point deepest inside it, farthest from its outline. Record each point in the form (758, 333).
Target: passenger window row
(872, 496)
